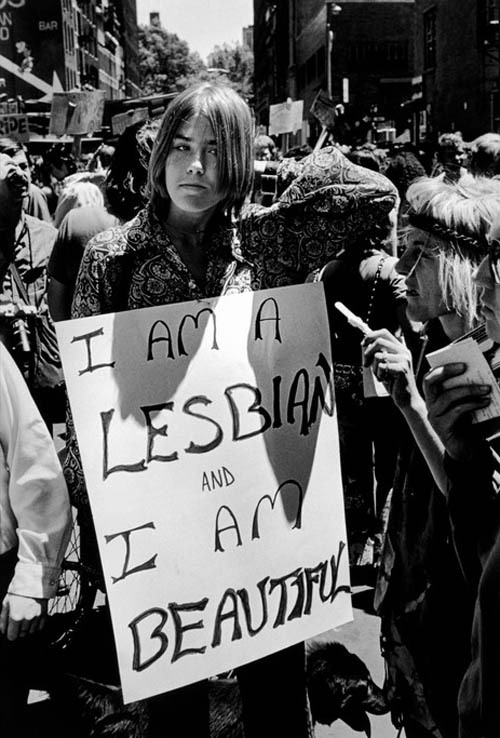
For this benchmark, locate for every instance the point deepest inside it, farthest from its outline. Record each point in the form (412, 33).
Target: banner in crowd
(323, 108)
(76, 113)
(15, 126)
(285, 117)
(208, 439)
(121, 121)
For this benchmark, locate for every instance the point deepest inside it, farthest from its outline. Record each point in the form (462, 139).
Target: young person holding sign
(198, 237)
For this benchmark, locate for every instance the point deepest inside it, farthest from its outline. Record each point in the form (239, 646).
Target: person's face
(191, 176)
(420, 267)
(14, 183)
(263, 153)
(21, 161)
(489, 295)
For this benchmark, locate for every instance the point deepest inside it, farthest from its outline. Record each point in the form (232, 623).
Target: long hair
(232, 124)
(458, 217)
(127, 177)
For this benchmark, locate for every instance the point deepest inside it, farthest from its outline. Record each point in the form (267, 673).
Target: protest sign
(15, 126)
(208, 438)
(323, 108)
(285, 117)
(121, 121)
(76, 113)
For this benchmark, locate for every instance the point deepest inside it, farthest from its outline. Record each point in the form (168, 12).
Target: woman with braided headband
(473, 469)
(421, 589)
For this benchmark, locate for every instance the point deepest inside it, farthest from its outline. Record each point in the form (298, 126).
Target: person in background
(451, 155)
(363, 277)
(484, 155)
(421, 588)
(365, 158)
(25, 326)
(35, 203)
(472, 466)
(201, 238)
(126, 183)
(266, 164)
(85, 188)
(57, 164)
(77, 194)
(265, 148)
(403, 168)
(35, 523)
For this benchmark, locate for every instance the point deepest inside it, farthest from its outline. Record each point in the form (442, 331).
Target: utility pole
(332, 10)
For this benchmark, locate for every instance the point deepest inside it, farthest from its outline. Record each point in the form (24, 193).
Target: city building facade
(359, 52)
(65, 45)
(457, 58)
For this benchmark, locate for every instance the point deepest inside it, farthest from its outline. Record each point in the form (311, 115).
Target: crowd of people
(410, 244)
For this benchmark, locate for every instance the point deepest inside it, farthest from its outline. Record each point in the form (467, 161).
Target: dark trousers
(18, 661)
(273, 695)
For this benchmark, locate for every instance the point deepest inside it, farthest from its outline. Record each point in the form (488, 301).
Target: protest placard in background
(121, 121)
(77, 113)
(208, 438)
(285, 117)
(15, 126)
(323, 108)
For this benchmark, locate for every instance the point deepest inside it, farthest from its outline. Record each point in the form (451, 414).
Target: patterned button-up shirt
(328, 204)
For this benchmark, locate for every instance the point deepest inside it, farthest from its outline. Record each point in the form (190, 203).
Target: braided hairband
(462, 240)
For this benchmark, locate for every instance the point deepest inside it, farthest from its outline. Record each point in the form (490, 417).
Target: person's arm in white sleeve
(36, 507)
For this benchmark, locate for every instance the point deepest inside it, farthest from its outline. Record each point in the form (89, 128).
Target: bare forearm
(427, 440)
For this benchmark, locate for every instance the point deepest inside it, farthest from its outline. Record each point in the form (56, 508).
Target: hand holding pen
(389, 359)
(353, 319)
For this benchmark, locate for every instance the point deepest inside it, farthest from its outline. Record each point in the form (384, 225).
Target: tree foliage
(165, 61)
(167, 65)
(238, 61)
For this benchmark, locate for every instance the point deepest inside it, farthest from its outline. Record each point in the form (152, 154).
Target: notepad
(478, 371)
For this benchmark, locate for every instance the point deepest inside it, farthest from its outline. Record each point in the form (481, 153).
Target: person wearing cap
(200, 238)
(472, 466)
(421, 588)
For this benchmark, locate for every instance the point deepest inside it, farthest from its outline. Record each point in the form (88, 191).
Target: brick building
(372, 59)
(457, 47)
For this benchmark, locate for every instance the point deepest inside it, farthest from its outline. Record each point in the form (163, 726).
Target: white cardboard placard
(208, 438)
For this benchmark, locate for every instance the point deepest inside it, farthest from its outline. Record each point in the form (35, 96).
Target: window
(430, 38)
(488, 22)
(492, 11)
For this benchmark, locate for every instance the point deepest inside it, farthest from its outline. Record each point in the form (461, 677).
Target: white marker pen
(353, 319)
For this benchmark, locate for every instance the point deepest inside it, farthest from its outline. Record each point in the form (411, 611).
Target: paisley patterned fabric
(329, 204)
